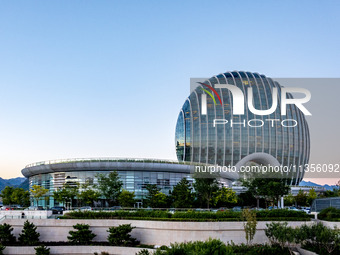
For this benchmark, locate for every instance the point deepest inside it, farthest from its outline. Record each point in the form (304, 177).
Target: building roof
(105, 164)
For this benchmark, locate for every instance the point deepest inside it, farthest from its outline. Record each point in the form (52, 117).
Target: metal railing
(114, 159)
(23, 217)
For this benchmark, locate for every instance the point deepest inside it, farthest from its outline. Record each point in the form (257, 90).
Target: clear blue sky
(107, 78)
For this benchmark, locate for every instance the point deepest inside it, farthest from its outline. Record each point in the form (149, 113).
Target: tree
(88, 195)
(6, 195)
(18, 196)
(249, 216)
(182, 195)
(301, 198)
(110, 186)
(2, 247)
(204, 189)
(330, 193)
(121, 235)
(83, 235)
(155, 198)
(247, 199)
(66, 194)
(279, 233)
(6, 236)
(160, 200)
(38, 192)
(21, 197)
(126, 198)
(42, 250)
(224, 196)
(311, 196)
(29, 234)
(270, 188)
(289, 199)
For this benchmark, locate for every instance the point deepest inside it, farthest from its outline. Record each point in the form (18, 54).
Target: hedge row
(229, 215)
(329, 214)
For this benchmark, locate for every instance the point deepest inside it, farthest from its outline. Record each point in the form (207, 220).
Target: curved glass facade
(197, 140)
(134, 173)
(133, 181)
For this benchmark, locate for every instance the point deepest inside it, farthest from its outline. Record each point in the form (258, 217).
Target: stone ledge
(74, 250)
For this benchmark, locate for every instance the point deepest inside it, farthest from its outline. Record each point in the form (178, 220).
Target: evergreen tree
(42, 250)
(2, 247)
(83, 235)
(204, 189)
(121, 235)
(155, 198)
(182, 195)
(6, 236)
(29, 234)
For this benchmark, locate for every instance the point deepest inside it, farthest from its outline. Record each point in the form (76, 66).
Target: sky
(85, 79)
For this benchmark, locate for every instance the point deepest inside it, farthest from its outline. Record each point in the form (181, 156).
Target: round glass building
(135, 174)
(199, 139)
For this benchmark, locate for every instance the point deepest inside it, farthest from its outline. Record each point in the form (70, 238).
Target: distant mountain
(14, 182)
(3, 183)
(24, 185)
(312, 184)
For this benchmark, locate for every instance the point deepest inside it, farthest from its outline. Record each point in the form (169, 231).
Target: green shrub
(6, 236)
(143, 252)
(229, 215)
(83, 235)
(209, 247)
(102, 253)
(280, 233)
(216, 247)
(324, 237)
(281, 213)
(29, 234)
(121, 235)
(2, 248)
(256, 249)
(42, 250)
(329, 214)
(316, 237)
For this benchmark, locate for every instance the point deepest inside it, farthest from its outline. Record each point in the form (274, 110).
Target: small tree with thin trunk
(38, 192)
(250, 224)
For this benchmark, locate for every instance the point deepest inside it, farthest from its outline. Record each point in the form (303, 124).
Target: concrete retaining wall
(74, 250)
(15, 214)
(152, 232)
